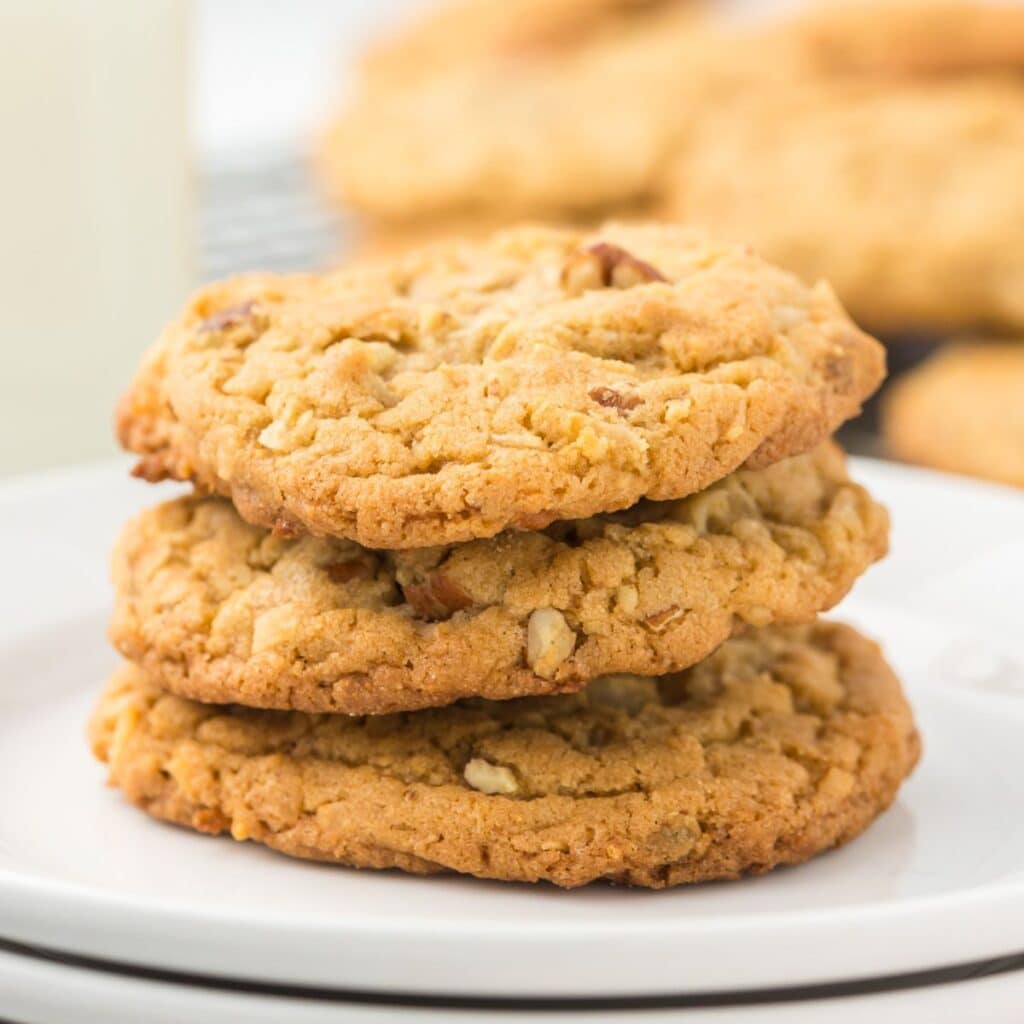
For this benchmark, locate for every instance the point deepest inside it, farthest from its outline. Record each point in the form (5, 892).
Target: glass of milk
(96, 213)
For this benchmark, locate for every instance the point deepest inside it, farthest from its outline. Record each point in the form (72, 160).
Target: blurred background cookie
(903, 195)
(557, 131)
(962, 411)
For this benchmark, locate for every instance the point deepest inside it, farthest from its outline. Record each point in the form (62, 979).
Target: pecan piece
(437, 597)
(151, 468)
(352, 569)
(287, 528)
(604, 265)
(612, 399)
(660, 621)
(230, 317)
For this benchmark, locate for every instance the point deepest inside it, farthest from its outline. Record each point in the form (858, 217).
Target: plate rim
(989, 919)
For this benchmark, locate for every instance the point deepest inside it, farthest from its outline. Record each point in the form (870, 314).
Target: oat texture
(218, 610)
(540, 375)
(962, 411)
(783, 743)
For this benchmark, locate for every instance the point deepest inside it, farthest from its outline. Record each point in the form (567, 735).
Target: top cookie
(538, 376)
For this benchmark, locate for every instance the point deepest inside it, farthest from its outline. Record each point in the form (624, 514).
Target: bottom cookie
(962, 411)
(783, 743)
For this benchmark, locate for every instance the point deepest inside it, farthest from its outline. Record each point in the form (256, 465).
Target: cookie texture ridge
(541, 375)
(962, 411)
(904, 196)
(218, 610)
(783, 743)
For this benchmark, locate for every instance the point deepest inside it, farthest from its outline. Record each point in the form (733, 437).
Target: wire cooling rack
(265, 214)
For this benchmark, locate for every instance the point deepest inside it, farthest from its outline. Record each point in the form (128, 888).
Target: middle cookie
(217, 610)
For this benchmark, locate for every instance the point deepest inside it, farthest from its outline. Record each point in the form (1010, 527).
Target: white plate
(39, 992)
(938, 881)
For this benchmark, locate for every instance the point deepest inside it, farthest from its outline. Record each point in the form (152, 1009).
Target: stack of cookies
(505, 559)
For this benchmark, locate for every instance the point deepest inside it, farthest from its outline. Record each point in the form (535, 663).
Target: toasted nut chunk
(273, 436)
(150, 468)
(352, 569)
(661, 620)
(437, 597)
(620, 401)
(549, 641)
(626, 599)
(287, 527)
(229, 317)
(490, 778)
(603, 265)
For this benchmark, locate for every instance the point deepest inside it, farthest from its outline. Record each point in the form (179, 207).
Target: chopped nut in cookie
(620, 401)
(230, 317)
(661, 620)
(606, 265)
(287, 527)
(539, 374)
(492, 779)
(437, 597)
(350, 569)
(549, 641)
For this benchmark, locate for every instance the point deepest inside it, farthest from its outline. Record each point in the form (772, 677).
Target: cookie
(220, 611)
(909, 37)
(906, 197)
(962, 411)
(462, 31)
(500, 117)
(780, 745)
(537, 376)
(533, 133)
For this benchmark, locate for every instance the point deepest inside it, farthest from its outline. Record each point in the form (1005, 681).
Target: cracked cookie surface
(537, 376)
(962, 411)
(218, 610)
(781, 744)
